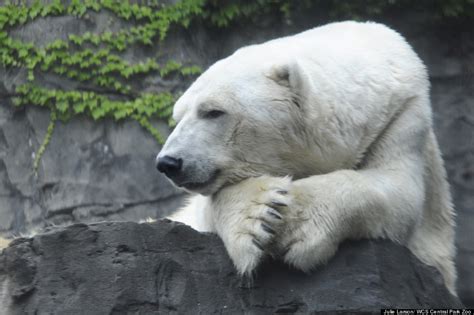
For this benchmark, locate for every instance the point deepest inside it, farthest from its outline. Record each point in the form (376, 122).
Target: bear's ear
(280, 74)
(291, 76)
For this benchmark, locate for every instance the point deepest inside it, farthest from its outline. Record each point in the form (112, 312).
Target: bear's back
(342, 49)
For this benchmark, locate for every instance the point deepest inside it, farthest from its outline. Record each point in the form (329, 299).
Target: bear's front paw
(249, 226)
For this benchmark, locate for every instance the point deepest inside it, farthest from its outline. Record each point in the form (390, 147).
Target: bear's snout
(169, 165)
(196, 175)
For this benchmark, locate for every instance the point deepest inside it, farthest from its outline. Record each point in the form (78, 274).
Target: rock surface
(95, 171)
(90, 172)
(166, 267)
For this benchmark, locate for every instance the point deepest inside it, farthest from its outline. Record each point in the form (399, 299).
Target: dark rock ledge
(166, 267)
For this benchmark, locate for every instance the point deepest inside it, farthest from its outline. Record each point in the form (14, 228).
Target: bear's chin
(205, 188)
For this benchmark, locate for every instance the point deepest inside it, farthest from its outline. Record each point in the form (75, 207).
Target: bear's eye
(211, 114)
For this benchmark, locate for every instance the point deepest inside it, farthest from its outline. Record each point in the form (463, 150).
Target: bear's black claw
(268, 229)
(257, 244)
(278, 203)
(274, 214)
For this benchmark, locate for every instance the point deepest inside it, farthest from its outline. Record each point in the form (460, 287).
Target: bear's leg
(248, 216)
(327, 209)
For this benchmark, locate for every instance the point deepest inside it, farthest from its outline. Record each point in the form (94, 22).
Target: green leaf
(62, 106)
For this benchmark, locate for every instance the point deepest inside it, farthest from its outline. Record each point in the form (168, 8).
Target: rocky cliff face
(168, 268)
(104, 171)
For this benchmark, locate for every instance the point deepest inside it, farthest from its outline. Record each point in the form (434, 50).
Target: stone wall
(95, 171)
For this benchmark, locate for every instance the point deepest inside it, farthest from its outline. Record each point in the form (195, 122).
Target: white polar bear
(299, 143)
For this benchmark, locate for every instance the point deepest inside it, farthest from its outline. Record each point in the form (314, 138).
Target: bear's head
(241, 118)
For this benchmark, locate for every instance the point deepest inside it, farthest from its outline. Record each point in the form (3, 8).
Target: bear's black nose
(169, 165)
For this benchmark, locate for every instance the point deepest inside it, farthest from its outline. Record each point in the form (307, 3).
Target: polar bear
(296, 144)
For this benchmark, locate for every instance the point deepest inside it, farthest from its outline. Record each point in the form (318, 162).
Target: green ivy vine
(96, 60)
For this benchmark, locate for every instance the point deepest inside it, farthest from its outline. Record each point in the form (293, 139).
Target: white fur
(4, 242)
(344, 110)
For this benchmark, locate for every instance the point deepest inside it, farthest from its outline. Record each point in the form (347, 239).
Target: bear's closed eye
(211, 114)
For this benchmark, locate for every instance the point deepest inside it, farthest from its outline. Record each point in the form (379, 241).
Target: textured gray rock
(166, 267)
(90, 172)
(94, 171)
